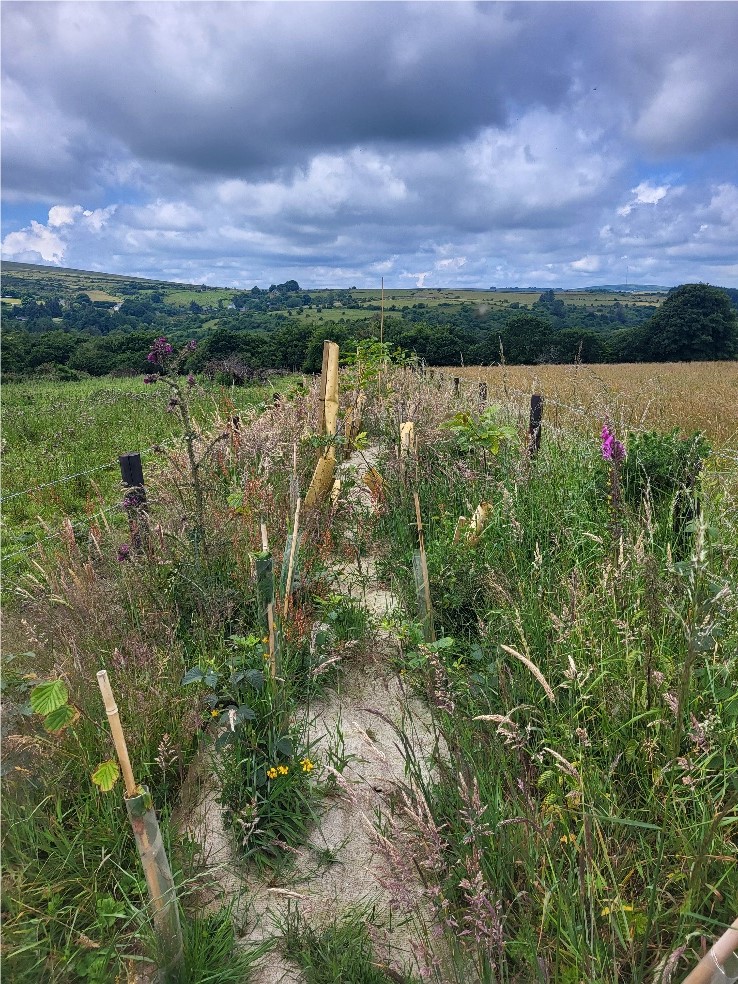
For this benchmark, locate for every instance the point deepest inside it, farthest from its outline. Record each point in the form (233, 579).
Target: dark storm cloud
(236, 88)
(247, 88)
(443, 142)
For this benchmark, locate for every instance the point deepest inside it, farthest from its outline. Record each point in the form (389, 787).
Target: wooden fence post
(134, 502)
(323, 383)
(322, 481)
(534, 427)
(457, 385)
(482, 395)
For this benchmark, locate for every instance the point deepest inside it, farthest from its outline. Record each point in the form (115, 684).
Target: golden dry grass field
(650, 396)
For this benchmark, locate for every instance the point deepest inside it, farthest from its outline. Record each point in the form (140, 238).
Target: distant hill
(68, 277)
(631, 288)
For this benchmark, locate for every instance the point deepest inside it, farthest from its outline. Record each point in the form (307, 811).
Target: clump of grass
(586, 800)
(341, 951)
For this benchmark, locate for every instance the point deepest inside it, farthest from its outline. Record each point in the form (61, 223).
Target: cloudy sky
(431, 143)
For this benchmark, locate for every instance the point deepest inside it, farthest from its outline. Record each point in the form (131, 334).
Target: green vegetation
(342, 951)
(52, 430)
(573, 815)
(584, 687)
(69, 323)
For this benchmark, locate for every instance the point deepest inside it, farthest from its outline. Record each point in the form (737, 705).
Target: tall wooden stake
(322, 480)
(119, 740)
(270, 612)
(150, 846)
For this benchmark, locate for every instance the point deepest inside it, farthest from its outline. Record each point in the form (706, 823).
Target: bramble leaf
(195, 675)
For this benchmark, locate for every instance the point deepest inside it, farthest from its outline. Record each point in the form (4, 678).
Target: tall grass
(579, 820)
(587, 805)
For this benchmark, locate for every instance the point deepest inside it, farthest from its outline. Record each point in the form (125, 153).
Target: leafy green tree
(528, 340)
(696, 321)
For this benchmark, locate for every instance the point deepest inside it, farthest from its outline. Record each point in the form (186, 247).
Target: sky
(432, 143)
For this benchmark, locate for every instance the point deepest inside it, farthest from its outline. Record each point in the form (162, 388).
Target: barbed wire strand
(55, 536)
(88, 471)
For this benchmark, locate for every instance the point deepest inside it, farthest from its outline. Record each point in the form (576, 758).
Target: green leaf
(244, 713)
(106, 775)
(47, 697)
(255, 678)
(227, 738)
(108, 910)
(211, 678)
(285, 747)
(195, 675)
(61, 718)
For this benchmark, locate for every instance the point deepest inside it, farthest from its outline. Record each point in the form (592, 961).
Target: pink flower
(612, 449)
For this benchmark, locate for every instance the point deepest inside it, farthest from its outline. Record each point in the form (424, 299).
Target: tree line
(695, 322)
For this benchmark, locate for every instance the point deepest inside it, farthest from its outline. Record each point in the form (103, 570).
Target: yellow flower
(214, 714)
(307, 765)
(282, 770)
(272, 773)
(265, 639)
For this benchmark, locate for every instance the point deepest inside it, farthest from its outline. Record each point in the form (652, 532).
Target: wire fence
(89, 471)
(525, 394)
(458, 382)
(102, 510)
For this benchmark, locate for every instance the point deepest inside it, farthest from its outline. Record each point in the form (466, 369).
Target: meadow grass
(585, 690)
(578, 821)
(660, 396)
(75, 903)
(52, 430)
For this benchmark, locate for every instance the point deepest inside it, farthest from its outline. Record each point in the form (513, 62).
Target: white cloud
(62, 215)
(644, 194)
(587, 264)
(67, 225)
(37, 243)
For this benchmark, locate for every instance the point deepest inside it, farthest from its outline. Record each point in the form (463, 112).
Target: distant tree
(528, 339)
(551, 305)
(696, 321)
(732, 293)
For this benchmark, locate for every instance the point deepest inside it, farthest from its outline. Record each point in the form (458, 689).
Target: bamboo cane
(293, 478)
(270, 614)
(428, 628)
(119, 740)
(149, 844)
